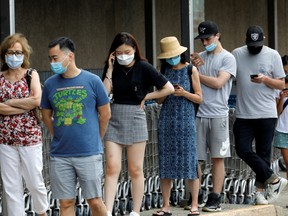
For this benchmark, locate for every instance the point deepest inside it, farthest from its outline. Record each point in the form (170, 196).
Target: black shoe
(213, 203)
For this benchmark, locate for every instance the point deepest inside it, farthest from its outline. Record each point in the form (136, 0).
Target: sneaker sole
(211, 210)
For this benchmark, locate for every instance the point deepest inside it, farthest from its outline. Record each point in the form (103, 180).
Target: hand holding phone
(252, 76)
(176, 86)
(196, 59)
(112, 58)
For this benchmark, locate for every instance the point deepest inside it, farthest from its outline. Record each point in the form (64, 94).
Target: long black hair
(120, 39)
(285, 60)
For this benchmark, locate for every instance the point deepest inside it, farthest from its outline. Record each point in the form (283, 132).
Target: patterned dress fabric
(176, 132)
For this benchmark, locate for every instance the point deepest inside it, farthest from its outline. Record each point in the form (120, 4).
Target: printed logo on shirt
(69, 106)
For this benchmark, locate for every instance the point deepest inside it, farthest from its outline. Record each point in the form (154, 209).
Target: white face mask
(125, 59)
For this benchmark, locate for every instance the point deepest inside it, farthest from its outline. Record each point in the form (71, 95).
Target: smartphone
(196, 56)
(176, 86)
(253, 76)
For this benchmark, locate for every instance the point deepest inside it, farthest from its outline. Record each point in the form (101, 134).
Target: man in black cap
(259, 73)
(217, 67)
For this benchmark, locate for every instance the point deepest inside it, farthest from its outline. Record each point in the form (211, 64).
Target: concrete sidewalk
(277, 209)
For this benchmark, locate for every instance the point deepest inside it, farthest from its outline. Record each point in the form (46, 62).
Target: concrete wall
(92, 24)
(234, 17)
(283, 27)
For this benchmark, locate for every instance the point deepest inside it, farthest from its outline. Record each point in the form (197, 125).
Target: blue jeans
(262, 130)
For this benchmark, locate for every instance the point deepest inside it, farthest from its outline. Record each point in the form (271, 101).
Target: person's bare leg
(135, 157)
(218, 174)
(67, 207)
(165, 185)
(97, 206)
(194, 188)
(113, 156)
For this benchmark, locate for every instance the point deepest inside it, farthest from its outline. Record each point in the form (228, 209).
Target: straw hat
(170, 47)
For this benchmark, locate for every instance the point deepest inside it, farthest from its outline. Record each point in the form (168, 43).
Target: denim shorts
(66, 171)
(280, 140)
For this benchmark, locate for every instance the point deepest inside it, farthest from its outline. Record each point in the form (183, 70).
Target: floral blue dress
(177, 132)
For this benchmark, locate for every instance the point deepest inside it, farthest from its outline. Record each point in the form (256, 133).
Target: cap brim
(203, 36)
(255, 43)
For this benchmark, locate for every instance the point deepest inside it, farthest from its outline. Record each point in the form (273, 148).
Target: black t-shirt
(130, 85)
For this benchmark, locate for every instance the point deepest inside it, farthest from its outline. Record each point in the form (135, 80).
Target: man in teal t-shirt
(76, 110)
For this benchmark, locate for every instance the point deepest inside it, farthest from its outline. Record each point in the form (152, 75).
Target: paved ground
(277, 209)
(240, 210)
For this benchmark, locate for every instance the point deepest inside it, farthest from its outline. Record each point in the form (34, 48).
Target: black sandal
(193, 213)
(162, 213)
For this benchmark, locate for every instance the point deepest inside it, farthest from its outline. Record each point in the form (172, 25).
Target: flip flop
(193, 213)
(162, 213)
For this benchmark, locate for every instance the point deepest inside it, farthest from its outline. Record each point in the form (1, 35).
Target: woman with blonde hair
(20, 133)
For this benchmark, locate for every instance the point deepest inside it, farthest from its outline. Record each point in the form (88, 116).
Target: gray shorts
(65, 171)
(213, 137)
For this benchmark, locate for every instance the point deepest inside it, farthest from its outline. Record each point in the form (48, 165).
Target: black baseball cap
(254, 36)
(206, 29)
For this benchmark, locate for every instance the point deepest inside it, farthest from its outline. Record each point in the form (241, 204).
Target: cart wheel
(154, 201)
(173, 198)
(160, 200)
(248, 200)
(56, 213)
(148, 201)
(78, 211)
(115, 209)
(129, 207)
(122, 207)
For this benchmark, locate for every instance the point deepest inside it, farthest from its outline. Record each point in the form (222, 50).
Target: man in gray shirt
(259, 73)
(217, 67)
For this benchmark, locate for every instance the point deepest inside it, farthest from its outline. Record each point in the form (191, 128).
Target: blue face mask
(174, 61)
(57, 67)
(14, 61)
(211, 47)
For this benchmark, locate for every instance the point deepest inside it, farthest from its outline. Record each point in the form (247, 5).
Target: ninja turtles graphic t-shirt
(74, 103)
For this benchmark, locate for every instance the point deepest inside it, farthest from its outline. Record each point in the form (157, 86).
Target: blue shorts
(280, 140)
(65, 171)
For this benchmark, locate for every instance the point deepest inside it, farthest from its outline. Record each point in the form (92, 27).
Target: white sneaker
(134, 214)
(109, 213)
(260, 199)
(274, 190)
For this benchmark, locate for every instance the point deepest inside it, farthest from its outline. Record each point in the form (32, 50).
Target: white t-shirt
(282, 122)
(256, 100)
(215, 101)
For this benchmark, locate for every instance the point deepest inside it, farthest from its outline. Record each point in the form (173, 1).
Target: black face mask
(254, 50)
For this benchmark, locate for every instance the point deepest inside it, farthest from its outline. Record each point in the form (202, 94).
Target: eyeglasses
(17, 53)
